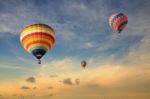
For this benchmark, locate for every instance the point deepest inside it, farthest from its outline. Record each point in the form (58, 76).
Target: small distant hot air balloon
(37, 39)
(83, 63)
(118, 21)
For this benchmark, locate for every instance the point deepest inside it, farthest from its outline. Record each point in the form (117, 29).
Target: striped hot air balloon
(118, 21)
(37, 39)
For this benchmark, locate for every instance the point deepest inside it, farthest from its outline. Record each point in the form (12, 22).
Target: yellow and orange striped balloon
(37, 39)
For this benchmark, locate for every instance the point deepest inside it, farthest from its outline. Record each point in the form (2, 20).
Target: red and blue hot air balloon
(118, 22)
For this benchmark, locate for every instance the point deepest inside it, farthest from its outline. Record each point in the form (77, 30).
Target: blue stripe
(123, 23)
(116, 17)
(42, 48)
(38, 53)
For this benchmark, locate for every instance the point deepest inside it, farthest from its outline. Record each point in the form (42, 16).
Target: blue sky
(82, 33)
(82, 29)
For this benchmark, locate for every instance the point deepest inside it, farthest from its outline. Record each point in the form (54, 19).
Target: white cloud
(139, 53)
(9, 66)
(60, 66)
(88, 45)
(132, 68)
(109, 42)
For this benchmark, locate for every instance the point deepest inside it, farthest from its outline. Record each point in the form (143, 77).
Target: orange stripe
(38, 41)
(38, 34)
(42, 37)
(34, 40)
(118, 21)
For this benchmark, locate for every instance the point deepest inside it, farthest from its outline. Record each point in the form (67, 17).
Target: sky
(118, 66)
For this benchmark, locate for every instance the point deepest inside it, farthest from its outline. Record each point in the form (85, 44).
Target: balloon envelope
(37, 39)
(118, 21)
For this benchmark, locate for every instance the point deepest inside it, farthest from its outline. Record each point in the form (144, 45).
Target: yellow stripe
(36, 27)
(35, 39)
(111, 18)
(37, 45)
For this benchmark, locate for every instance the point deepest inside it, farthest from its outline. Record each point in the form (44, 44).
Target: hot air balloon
(37, 39)
(118, 21)
(83, 63)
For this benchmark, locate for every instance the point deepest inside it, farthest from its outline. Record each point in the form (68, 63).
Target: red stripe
(123, 27)
(43, 37)
(39, 41)
(118, 21)
(38, 34)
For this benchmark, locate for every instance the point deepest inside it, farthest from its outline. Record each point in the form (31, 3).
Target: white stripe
(33, 31)
(111, 18)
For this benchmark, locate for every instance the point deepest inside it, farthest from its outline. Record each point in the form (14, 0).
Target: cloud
(13, 13)
(88, 45)
(31, 79)
(34, 88)
(77, 81)
(50, 87)
(53, 76)
(14, 94)
(111, 71)
(25, 87)
(20, 58)
(59, 65)
(139, 54)
(31, 95)
(93, 85)
(9, 66)
(121, 63)
(50, 95)
(67, 81)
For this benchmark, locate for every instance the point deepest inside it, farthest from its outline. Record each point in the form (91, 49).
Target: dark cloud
(31, 95)
(50, 87)
(60, 81)
(14, 95)
(53, 76)
(93, 86)
(31, 80)
(34, 88)
(68, 81)
(77, 81)
(21, 96)
(50, 95)
(25, 87)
